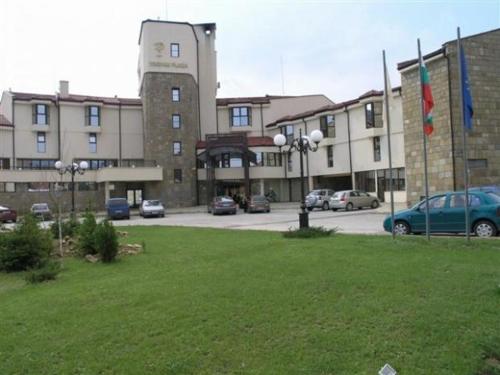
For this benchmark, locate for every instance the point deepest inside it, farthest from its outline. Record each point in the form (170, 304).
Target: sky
(291, 47)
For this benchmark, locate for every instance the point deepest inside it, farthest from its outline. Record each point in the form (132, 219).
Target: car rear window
(258, 198)
(117, 202)
(40, 206)
(152, 203)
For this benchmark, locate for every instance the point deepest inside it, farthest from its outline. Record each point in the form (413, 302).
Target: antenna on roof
(282, 76)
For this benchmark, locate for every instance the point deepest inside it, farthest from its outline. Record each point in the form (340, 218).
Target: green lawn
(205, 301)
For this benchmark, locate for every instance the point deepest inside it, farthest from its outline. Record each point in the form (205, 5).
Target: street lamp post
(302, 144)
(73, 169)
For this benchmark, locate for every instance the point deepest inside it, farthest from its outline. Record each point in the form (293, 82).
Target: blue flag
(466, 95)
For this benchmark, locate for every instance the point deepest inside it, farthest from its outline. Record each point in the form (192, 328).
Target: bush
(46, 272)
(86, 242)
(106, 241)
(28, 246)
(310, 232)
(68, 227)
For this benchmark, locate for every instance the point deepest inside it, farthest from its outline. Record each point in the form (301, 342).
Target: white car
(151, 208)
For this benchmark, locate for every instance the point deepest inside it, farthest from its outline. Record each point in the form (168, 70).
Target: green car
(447, 215)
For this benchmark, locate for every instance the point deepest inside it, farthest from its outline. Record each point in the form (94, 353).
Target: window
(365, 180)
(369, 115)
(288, 134)
(174, 50)
(7, 187)
(177, 176)
(41, 144)
(273, 159)
(327, 125)
(289, 162)
(241, 116)
(176, 94)
(376, 149)
(176, 121)
(225, 160)
(95, 164)
(435, 203)
(478, 163)
(87, 186)
(458, 201)
(177, 148)
(329, 156)
(93, 116)
(41, 114)
(92, 143)
(4, 163)
(398, 179)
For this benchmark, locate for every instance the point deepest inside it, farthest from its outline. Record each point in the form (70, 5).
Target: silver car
(319, 199)
(152, 208)
(350, 199)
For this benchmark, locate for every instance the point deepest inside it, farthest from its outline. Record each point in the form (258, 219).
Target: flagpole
(464, 136)
(387, 116)
(427, 223)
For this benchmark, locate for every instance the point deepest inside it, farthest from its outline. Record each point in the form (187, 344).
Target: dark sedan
(7, 214)
(447, 215)
(222, 205)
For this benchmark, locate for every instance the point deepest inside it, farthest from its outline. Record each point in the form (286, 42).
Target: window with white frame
(176, 94)
(177, 148)
(92, 143)
(41, 142)
(241, 116)
(176, 121)
(174, 50)
(40, 114)
(288, 133)
(93, 115)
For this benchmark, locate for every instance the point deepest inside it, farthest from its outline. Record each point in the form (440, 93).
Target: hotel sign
(168, 64)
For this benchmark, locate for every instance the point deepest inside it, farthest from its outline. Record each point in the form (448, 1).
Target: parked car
(350, 199)
(118, 208)
(492, 188)
(447, 215)
(258, 203)
(41, 211)
(151, 208)
(222, 205)
(319, 199)
(7, 214)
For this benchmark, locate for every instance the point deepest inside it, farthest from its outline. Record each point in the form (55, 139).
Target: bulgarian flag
(427, 98)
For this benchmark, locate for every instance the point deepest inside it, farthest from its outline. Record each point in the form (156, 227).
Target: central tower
(178, 87)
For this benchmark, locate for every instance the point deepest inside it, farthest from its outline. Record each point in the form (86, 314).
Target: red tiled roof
(78, 98)
(330, 107)
(252, 142)
(4, 121)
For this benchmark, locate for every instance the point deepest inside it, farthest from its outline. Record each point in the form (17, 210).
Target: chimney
(63, 88)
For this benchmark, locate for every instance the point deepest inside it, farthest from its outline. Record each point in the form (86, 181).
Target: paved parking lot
(280, 219)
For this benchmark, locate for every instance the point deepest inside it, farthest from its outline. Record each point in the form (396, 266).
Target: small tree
(28, 246)
(106, 241)
(86, 235)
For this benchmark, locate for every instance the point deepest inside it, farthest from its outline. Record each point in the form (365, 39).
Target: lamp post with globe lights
(302, 144)
(73, 169)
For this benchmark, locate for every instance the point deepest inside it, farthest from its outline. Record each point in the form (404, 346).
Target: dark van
(118, 208)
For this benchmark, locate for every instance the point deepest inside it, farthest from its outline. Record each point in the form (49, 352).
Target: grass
(206, 301)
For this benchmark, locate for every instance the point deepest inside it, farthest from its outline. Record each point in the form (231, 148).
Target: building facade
(180, 144)
(445, 149)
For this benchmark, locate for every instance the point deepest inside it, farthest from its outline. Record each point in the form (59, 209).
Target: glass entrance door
(134, 197)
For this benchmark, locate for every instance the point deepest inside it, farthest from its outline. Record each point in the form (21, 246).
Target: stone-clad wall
(482, 53)
(439, 145)
(159, 135)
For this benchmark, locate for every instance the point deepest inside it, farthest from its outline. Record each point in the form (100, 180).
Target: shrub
(28, 246)
(46, 272)
(69, 227)
(86, 242)
(310, 232)
(106, 241)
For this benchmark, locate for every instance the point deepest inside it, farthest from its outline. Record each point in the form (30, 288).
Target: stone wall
(482, 53)
(159, 135)
(439, 145)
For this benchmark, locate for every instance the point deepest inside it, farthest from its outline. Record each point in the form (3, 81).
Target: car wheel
(349, 206)
(325, 206)
(375, 204)
(334, 209)
(162, 215)
(401, 228)
(128, 217)
(309, 209)
(485, 228)
(269, 210)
